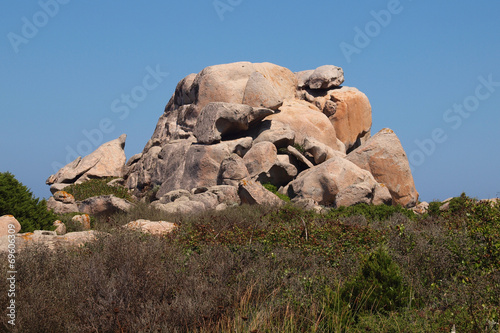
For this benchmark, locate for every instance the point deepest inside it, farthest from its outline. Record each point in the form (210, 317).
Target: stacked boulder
(243, 124)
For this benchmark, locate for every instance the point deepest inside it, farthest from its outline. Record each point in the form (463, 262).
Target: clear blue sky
(64, 66)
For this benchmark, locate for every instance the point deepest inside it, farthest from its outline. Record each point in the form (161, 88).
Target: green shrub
(434, 208)
(272, 188)
(16, 199)
(378, 285)
(96, 187)
(370, 212)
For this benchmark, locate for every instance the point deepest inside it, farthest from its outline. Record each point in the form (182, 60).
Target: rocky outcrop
(197, 200)
(244, 124)
(384, 157)
(106, 161)
(9, 225)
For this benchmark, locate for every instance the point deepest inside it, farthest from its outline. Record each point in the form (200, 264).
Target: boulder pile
(254, 123)
(233, 128)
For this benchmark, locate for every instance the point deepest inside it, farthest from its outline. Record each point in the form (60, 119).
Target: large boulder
(305, 120)
(352, 117)
(384, 157)
(325, 77)
(106, 161)
(260, 158)
(9, 225)
(336, 182)
(233, 170)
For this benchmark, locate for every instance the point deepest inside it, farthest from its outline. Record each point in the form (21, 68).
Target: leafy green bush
(16, 199)
(96, 187)
(378, 285)
(272, 188)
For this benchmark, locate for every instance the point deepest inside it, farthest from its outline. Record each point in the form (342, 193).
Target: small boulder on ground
(83, 220)
(60, 227)
(151, 227)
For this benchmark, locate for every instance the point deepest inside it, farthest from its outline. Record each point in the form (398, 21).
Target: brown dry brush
(247, 269)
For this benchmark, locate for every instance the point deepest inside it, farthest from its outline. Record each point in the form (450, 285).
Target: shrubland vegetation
(268, 269)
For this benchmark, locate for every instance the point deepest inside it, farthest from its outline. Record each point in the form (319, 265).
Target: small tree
(378, 283)
(16, 199)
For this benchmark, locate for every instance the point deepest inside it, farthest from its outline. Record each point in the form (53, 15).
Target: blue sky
(430, 69)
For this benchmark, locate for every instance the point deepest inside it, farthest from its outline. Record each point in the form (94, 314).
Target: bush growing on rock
(97, 187)
(16, 199)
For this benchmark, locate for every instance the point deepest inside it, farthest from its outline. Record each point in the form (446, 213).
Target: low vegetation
(95, 187)
(266, 269)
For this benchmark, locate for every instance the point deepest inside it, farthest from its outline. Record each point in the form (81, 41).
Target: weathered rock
(382, 195)
(384, 157)
(9, 225)
(208, 199)
(104, 204)
(51, 240)
(228, 82)
(151, 227)
(253, 193)
(281, 173)
(298, 155)
(260, 93)
(60, 227)
(58, 187)
(233, 170)
(219, 119)
(226, 194)
(83, 220)
(336, 182)
(260, 158)
(64, 197)
(326, 77)
(421, 208)
(60, 207)
(277, 133)
(305, 120)
(303, 77)
(106, 161)
(202, 165)
(239, 146)
(353, 116)
(174, 195)
(319, 151)
(180, 206)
